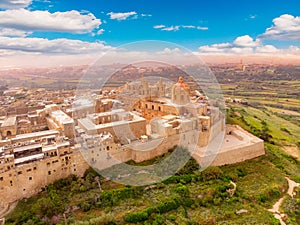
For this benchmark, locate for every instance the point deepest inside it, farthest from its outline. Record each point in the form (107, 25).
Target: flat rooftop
(34, 135)
(169, 117)
(61, 117)
(9, 121)
(230, 142)
(55, 146)
(121, 122)
(88, 124)
(113, 112)
(29, 158)
(27, 147)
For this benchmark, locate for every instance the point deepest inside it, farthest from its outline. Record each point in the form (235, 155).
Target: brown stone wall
(239, 154)
(27, 180)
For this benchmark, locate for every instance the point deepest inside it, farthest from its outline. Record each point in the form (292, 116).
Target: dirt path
(293, 151)
(8, 209)
(292, 186)
(276, 207)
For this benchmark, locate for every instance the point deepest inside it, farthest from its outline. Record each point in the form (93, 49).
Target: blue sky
(220, 26)
(225, 20)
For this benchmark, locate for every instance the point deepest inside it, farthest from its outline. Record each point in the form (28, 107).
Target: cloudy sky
(58, 29)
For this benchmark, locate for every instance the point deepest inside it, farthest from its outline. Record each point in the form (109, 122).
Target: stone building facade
(147, 121)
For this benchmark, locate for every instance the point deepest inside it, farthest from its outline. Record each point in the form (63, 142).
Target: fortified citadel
(140, 121)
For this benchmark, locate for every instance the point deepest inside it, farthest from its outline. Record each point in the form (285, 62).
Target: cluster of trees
(163, 207)
(54, 199)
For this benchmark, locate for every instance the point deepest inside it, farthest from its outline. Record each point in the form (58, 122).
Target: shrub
(211, 173)
(144, 214)
(241, 172)
(274, 193)
(136, 217)
(85, 206)
(262, 198)
(182, 190)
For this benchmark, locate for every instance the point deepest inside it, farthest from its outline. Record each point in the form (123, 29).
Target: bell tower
(181, 92)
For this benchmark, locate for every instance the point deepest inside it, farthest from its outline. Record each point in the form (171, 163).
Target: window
(28, 170)
(49, 172)
(20, 172)
(1, 178)
(34, 168)
(30, 178)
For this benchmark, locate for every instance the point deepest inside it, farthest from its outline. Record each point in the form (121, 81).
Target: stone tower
(161, 88)
(144, 86)
(181, 93)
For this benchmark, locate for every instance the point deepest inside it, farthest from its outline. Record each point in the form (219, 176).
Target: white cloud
(267, 49)
(70, 21)
(146, 15)
(171, 28)
(188, 26)
(14, 4)
(8, 32)
(245, 41)
(215, 48)
(246, 45)
(121, 16)
(168, 51)
(251, 17)
(101, 31)
(178, 27)
(294, 49)
(285, 27)
(243, 50)
(56, 46)
(202, 28)
(241, 45)
(159, 26)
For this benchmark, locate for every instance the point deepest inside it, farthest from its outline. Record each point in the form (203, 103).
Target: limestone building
(144, 121)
